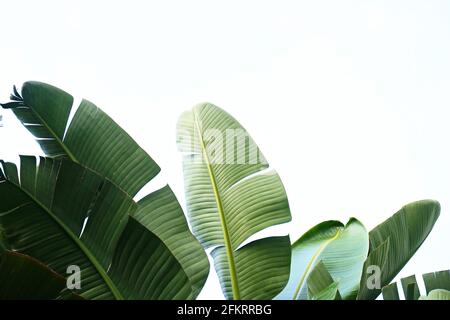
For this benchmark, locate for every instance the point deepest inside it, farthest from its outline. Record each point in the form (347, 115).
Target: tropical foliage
(437, 287)
(347, 256)
(76, 206)
(229, 199)
(329, 251)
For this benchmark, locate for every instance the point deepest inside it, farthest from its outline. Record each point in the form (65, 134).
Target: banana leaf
(95, 141)
(231, 195)
(64, 214)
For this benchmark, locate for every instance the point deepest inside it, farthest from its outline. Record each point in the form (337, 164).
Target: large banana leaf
(25, 278)
(437, 285)
(341, 249)
(95, 141)
(64, 214)
(92, 138)
(230, 197)
(394, 242)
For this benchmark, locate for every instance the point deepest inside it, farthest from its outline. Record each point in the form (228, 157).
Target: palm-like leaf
(64, 214)
(230, 197)
(95, 141)
(437, 285)
(341, 249)
(92, 138)
(25, 278)
(395, 241)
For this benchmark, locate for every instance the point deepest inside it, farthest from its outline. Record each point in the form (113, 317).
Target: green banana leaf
(390, 292)
(64, 214)
(25, 278)
(329, 293)
(437, 280)
(92, 138)
(394, 242)
(342, 249)
(437, 285)
(95, 141)
(410, 288)
(437, 294)
(232, 194)
(321, 285)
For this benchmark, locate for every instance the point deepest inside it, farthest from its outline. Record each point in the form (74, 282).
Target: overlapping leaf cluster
(75, 206)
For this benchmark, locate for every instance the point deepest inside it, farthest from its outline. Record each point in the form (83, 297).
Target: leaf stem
(228, 245)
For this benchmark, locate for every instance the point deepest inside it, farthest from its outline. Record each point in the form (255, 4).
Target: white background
(349, 100)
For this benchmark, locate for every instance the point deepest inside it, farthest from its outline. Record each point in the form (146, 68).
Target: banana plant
(437, 286)
(338, 251)
(395, 241)
(64, 214)
(93, 140)
(333, 261)
(231, 195)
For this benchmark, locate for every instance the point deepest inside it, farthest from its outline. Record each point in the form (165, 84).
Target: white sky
(348, 100)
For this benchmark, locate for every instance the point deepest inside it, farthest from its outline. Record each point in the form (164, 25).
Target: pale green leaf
(230, 197)
(341, 248)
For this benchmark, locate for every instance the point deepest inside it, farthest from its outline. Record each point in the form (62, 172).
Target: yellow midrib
(228, 246)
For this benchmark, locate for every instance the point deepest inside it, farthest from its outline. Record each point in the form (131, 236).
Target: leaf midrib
(311, 262)
(116, 293)
(60, 142)
(228, 246)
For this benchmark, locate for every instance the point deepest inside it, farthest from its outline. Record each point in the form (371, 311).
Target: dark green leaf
(71, 216)
(406, 230)
(25, 278)
(321, 285)
(95, 141)
(410, 288)
(437, 280)
(390, 292)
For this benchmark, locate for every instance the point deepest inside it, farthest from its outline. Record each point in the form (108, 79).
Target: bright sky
(348, 100)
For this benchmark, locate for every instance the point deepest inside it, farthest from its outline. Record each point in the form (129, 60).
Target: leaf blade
(229, 199)
(332, 244)
(406, 230)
